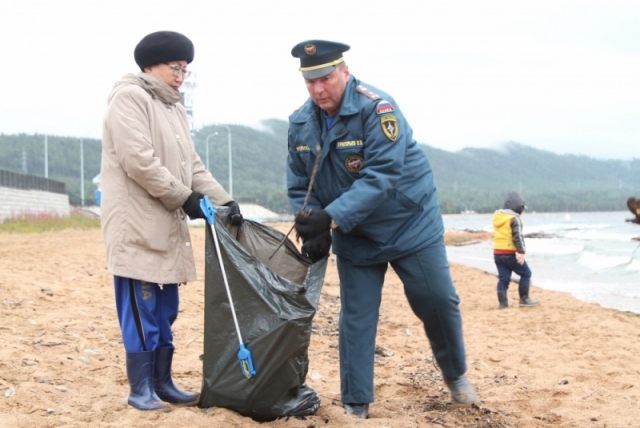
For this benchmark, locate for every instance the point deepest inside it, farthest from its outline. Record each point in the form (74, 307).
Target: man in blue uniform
(374, 199)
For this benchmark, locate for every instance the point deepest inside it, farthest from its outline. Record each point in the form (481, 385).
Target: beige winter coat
(149, 167)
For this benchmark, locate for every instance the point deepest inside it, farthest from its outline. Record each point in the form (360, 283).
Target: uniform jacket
(507, 232)
(373, 179)
(149, 168)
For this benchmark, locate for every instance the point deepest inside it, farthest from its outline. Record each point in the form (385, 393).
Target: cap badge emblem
(310, 49)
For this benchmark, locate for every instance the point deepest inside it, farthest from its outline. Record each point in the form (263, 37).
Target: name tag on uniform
(348, 144)
(302, 148)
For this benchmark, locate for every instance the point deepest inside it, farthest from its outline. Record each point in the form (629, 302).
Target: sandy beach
(565, 363)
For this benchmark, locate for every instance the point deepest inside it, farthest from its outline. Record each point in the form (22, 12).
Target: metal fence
(30, 182)
(77, 201)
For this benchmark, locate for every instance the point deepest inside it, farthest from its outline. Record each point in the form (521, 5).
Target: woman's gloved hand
(235, 218)
(191, 206)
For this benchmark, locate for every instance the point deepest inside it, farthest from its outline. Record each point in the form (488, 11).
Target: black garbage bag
(275, 302)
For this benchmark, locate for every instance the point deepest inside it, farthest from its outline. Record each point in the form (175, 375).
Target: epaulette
(367, 93)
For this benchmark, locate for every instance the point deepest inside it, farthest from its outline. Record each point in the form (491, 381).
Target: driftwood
(634, 207)
(472, 231)
(463, 243)
(540, 235)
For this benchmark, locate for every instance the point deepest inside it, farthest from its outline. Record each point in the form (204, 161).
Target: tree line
(469, 179)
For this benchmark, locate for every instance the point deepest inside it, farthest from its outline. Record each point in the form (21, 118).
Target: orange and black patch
(354, 163)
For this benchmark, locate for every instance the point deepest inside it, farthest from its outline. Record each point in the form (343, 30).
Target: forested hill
(478, 179)
(473, 179)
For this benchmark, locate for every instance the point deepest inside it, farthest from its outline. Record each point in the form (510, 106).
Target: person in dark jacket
(374, 200)
(509, 250)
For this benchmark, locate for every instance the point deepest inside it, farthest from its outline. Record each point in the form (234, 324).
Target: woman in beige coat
(152, 180)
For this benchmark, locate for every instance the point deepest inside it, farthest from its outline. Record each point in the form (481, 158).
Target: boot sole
(189, 404)
(164, 409)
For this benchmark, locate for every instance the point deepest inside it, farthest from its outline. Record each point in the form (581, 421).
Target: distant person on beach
(509, 250)
(634, 207)
(373, 197)
(152, 180)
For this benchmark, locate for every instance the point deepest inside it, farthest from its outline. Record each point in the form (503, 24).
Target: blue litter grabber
(244, 355)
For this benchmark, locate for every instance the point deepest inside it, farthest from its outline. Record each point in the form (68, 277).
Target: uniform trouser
(146, 313)
(432, 297)
(506, 264)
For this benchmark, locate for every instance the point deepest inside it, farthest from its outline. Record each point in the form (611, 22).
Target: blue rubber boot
(163, 384)
(140, 374)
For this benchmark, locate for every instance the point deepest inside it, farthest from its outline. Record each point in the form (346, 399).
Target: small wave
(634, 266)
(542, 228)
(552, 246)
(597, 262)
(592, 235)
(564, 227)
(630, 294)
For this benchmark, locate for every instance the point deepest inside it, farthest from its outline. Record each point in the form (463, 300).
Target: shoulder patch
(389, 126)
(383, 107)
(367, 93)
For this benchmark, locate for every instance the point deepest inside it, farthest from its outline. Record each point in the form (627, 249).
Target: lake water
(590, 255)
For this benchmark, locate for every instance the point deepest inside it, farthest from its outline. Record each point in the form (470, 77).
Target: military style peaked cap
(318, 57)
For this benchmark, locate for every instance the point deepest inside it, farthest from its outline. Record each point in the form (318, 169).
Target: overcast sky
(557, 75)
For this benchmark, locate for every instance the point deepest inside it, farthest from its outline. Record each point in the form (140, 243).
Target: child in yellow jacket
(509, 250)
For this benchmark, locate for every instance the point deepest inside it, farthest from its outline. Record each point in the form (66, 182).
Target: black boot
(525, 300)
(503, 299)
(140, 374)
(163, 384)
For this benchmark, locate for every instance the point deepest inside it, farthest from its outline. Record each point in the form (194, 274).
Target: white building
(186, 99)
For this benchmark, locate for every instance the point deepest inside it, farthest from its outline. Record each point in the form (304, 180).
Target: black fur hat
(161, 47)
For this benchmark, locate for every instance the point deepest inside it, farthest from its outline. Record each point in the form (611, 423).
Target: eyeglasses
(177, 71)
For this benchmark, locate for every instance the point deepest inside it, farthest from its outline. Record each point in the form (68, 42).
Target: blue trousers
(507, 264)
(432, 297)
(146, 313)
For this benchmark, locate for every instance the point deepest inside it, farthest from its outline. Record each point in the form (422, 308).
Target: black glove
(314, 224)
(192, 205)
(317, 248)
(235, 217)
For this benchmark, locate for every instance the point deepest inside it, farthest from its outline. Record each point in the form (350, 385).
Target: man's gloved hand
(192, 205)
(317, 248)
(520, 258)
(235, 217)
(314, 224)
